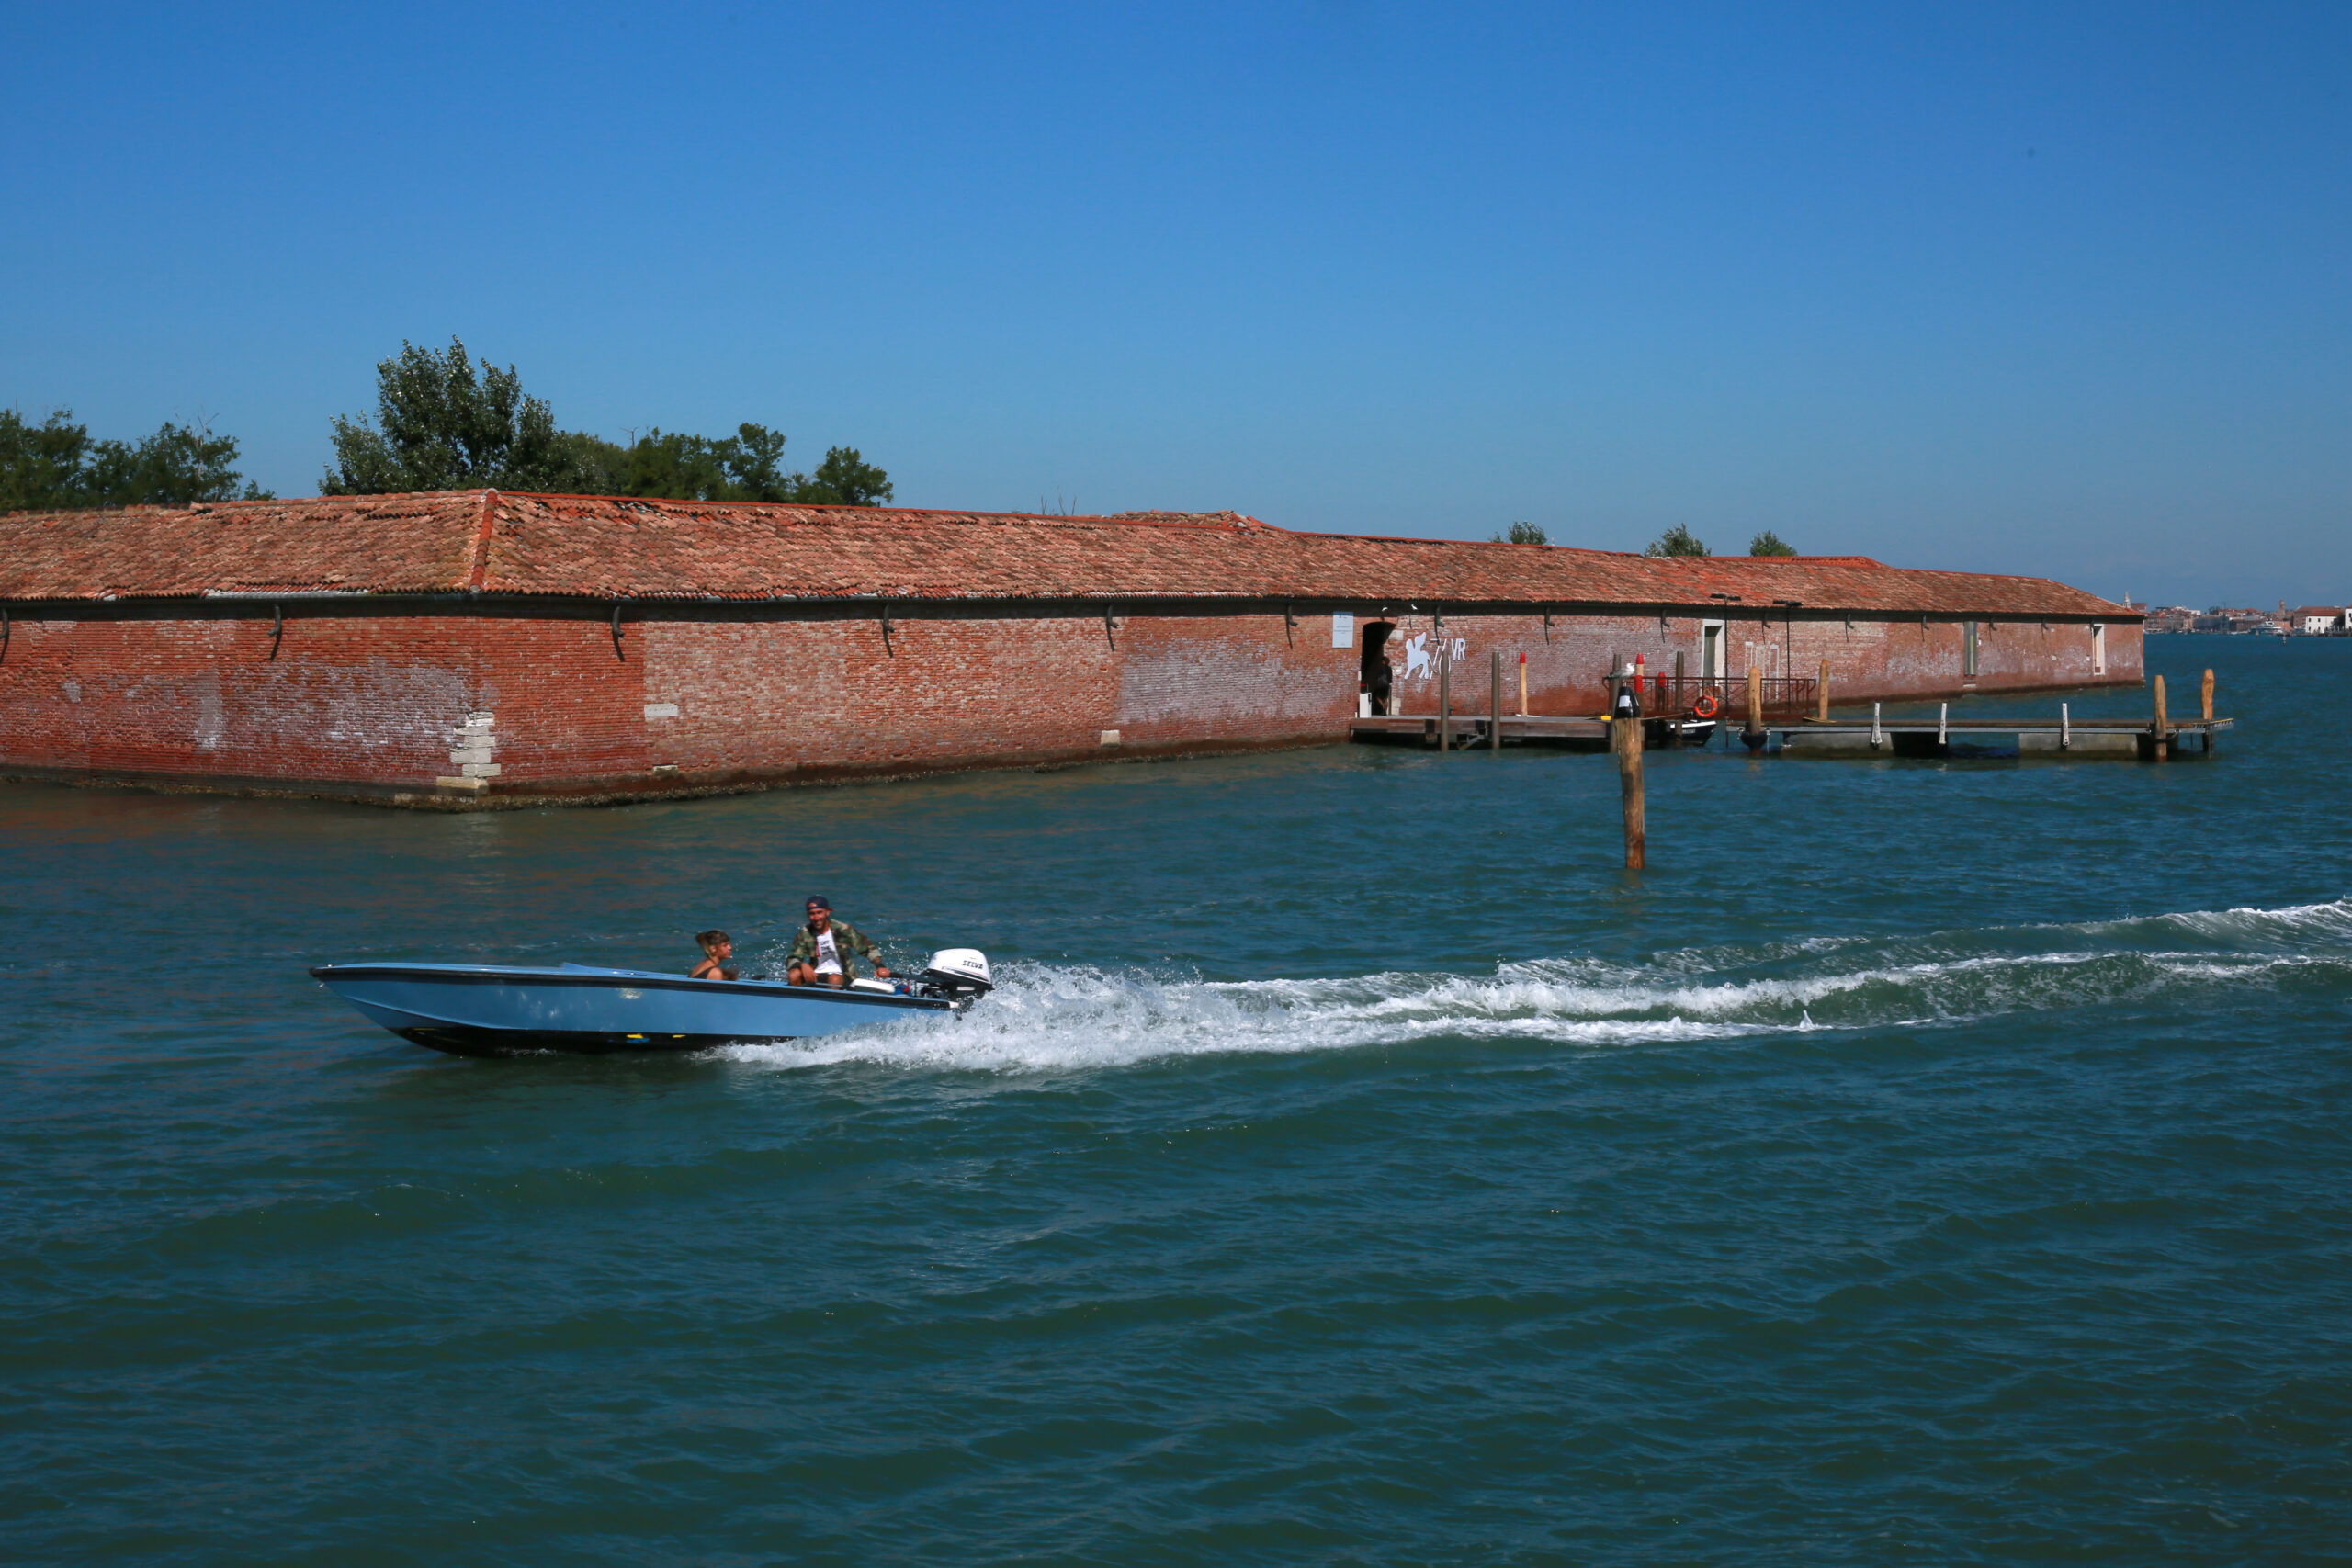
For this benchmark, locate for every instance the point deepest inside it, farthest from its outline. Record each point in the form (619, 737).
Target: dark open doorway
(1375, 676)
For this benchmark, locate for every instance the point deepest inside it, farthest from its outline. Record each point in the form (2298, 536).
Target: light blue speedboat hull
(475, 1010)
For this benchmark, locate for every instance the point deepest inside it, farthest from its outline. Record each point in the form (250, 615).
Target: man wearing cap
(823, 951)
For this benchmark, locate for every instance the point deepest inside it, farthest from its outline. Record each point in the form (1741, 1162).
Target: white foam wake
(1046, 1017)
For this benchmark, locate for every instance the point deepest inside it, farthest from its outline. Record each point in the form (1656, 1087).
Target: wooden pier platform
(1558, 731)
(1994, 738)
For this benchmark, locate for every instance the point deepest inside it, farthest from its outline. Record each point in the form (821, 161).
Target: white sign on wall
(1343, 631)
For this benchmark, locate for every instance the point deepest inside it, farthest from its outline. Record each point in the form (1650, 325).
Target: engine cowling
(958, 972)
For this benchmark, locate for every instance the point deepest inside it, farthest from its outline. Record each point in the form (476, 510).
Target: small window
(1968, 648)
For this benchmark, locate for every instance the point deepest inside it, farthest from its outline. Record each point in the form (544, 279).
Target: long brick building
(482, 647)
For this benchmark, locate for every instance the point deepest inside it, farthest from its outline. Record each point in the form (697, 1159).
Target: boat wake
(1047, 1016)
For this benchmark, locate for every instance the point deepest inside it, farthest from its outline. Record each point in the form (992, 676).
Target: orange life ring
(1705, 707)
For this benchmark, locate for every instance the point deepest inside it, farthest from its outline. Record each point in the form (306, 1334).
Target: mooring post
(1943, 719)
(1821, 700)
(2163, 725)
(1751, 735)
(2066, 729)
(1878, 736)
(1495, 715)
(1625, 739)
(1681, 697)
(1445, 696)
(1522, 686)
(2205, 697)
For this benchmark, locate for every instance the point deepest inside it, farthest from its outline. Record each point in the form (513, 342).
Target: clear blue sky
(2048, 289)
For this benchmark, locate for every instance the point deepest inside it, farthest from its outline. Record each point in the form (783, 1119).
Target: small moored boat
(475, 1009)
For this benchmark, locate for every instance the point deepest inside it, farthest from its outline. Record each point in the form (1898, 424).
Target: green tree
(1768, 543)
(56, 464)
(844, 479)
(1518, 533)
(1678, 541)
(440, 426)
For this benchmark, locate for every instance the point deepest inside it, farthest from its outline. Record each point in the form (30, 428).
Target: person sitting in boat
(717, 947)
(823, 951)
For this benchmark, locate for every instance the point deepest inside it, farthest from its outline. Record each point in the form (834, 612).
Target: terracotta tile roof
(607, 547)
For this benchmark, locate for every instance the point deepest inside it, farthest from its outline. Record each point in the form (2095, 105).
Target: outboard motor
(958, 974)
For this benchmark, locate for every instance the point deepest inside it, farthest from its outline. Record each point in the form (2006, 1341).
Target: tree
(440, 426)
(1768, 543)
(1519, 534)
(844, 479)
(1676, 541)
(56, 464)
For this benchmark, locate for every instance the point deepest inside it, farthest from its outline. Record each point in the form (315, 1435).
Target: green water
(1920, 1163)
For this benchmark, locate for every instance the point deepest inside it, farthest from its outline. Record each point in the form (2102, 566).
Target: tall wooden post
(1625, 739)
(1522, 686)
(2163, 725)
(1752, 732)
(1444, 695)
(1821, 697)
(1494, 704)
(1681, 697)
(2205, 706)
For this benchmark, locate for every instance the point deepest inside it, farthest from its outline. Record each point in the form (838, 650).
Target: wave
(1047, 1016)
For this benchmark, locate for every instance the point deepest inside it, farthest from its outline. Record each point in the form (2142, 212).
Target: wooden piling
(1821, 702)
(1522, 686)
(2205, 697)
(1681, 696)
(1626, 738)
(1495, 706)
(1752, 734)
(1445, 696)
(2163, 725)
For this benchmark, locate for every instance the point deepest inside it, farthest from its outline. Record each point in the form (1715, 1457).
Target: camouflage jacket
(848, 940)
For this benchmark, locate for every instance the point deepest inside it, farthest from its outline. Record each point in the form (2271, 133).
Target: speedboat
(478, 1010)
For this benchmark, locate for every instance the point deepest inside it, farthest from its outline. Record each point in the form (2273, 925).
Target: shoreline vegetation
(441, 422)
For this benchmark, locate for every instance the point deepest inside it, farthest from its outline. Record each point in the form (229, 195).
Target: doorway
(1375, 677)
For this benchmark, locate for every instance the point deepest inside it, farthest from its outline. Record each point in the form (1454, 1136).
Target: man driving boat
(824, 951)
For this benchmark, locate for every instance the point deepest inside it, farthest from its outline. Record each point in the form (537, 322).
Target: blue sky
(2045, 288)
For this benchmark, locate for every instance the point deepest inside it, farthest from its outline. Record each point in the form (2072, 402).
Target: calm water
(1920, 1164)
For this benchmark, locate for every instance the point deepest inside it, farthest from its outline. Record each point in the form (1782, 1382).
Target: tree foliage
(441, 424)
(55, 465)
(1678, 541)
(1519, 534)
(1768, 543)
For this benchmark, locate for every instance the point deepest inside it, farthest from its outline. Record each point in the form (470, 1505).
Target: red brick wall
(374, 705)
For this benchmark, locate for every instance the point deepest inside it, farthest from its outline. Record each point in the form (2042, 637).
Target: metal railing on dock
(1785, 697)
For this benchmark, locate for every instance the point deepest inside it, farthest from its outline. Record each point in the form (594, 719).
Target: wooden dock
(1993, 737)
(1557, 731)
(1936, 737)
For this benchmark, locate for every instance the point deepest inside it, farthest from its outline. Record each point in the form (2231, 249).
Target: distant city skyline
(2053, 290)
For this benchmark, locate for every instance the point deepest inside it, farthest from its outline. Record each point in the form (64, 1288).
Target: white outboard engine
(959, 974)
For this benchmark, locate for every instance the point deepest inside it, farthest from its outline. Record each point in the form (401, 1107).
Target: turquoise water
(1920, 1163)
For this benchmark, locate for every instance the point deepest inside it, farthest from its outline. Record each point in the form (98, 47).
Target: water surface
(1920, 1163)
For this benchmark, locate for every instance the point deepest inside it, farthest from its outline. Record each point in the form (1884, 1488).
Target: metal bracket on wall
(4, 630)
(1110, 626)
(617, 635)
(1290, 626)
(887, 647)
(1547, 629)
(1850, 620)
(277, 630)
